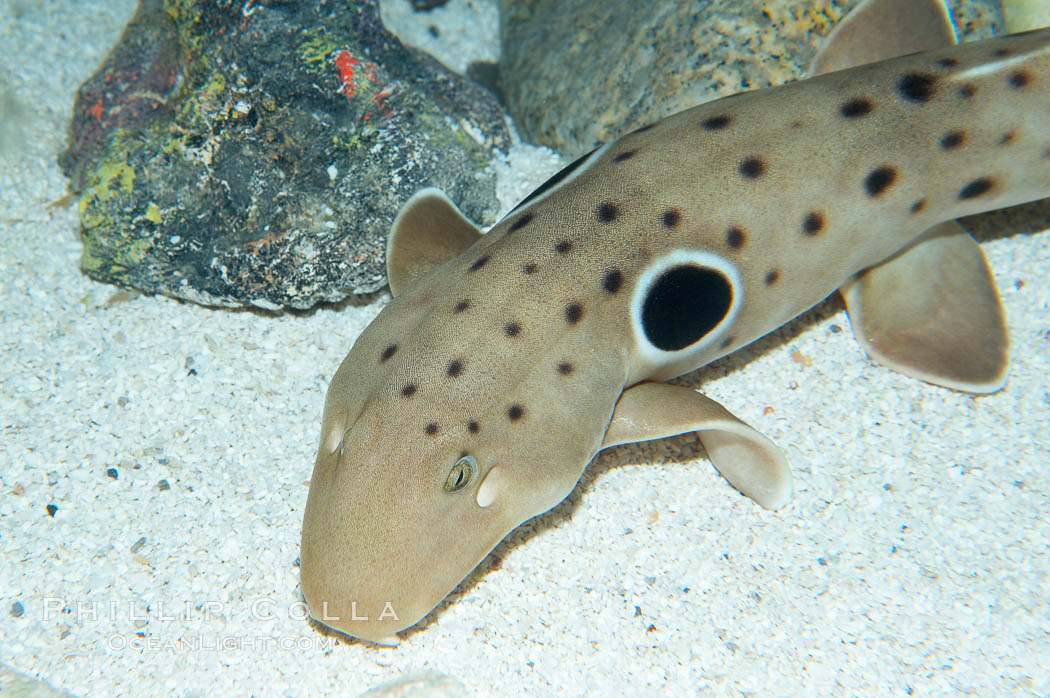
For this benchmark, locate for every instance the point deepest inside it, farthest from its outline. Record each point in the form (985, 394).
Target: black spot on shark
(573, 313)
(752, 167)
(856, 107)
(979, 186)
(717, 123)
(1020, 78)
(917, 87)
(607, 212)
(612, 281)
(879, 180)
(735, 238)
(813, 223)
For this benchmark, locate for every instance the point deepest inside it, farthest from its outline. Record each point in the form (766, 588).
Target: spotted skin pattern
(510, 362)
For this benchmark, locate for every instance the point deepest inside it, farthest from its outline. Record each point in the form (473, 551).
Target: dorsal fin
(429, 230)
(877, 30)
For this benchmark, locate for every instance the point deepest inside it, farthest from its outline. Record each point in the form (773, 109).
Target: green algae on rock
(255, 153)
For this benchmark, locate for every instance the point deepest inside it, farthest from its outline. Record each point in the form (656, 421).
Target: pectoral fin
(746, 458)
(429, 230)
(933, 312)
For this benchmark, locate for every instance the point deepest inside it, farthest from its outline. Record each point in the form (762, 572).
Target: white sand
(913, 556)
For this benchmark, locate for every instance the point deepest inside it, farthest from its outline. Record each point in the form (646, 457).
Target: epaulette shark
(507, 360)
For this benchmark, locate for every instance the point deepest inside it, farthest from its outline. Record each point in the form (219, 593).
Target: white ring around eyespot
(648, 350)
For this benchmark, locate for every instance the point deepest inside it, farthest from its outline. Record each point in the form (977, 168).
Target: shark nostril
(489, 488)
(333, 440)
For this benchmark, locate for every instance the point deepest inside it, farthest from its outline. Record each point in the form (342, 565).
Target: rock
(14, 684)
(427, 684)
(1023, 15)
(427, 4)
(235, 154)
(577, 73)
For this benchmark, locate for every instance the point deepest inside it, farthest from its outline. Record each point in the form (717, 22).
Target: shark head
(430, 455)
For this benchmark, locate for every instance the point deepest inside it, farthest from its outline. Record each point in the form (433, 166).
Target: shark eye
(461, 473)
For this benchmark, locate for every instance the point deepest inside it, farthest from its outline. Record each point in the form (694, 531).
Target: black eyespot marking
(455, 368)
(685, 303)
(917, 87)
(512, 329)
(1001, 53)
(726, 342)
(752, 168)
(613, 280)
(479, 263)
(952, 139)
(672, 217)
(529, 269)
(409, 390)
(626, 155)
(772, 276)
(1007, 138)
(387, 353)
(432, 428)
(813, 223)
(607, 212)
(979, 186)
(716, 123)
(879, 180)
(735, 238)
(564, 368)
(948, 62)
(461, 306)
(473, 427)
(520, 223)
(515, 412)
(856, 107)
(573, 313)
(1020, 78)
(918, 205)
(563, 247)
